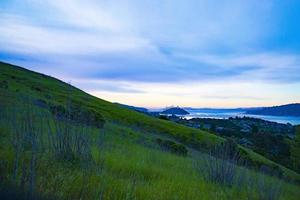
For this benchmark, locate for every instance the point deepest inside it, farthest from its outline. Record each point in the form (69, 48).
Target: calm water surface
(225, 114)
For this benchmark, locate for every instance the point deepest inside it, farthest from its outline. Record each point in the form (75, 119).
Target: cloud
(261, 66)
(197, 25)
(152, 43)
(22, 37)
(106, 86)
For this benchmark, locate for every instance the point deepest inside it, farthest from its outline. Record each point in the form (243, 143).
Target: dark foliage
(163, 117)
(269, 139)
(4, 84)
(272, 146)
(41, 103)
(173, 147)
(13, 192)
(36, 88)
(76, 114)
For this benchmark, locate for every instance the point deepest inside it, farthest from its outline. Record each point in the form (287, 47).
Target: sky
(195, 53)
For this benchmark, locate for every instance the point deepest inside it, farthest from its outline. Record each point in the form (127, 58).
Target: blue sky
(228, 53)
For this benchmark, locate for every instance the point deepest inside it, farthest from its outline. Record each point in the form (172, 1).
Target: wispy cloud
(23, 37)
(158, 43)
(266, 66)
(94, 85)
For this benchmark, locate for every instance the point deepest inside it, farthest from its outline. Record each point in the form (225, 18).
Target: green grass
(128, 164)
(126, 170)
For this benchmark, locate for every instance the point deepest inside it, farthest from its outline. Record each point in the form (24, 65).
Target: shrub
(4, 84)
(76, 114)
(36, 88)
(173, 147)
(69, 142)
(69, 139)
(220, 166)
(40, 103)
(25, 129)
(268, 190)
(272, 170)
(163, 117)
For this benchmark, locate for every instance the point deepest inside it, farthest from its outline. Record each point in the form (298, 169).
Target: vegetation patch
(172, 147)
(4, 84)
(77, 114)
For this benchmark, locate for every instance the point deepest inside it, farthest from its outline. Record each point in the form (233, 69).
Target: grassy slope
(127, 122)
(26, 80)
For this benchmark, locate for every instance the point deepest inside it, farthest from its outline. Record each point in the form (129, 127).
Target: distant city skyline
(222, 54)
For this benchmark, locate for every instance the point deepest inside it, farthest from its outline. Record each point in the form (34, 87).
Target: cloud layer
(117, 47)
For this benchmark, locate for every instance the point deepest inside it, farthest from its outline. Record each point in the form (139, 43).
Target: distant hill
(283, 110)
(175, 111)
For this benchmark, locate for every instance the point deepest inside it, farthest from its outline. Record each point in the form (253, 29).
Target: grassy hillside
(54, 91)
(121, 158)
